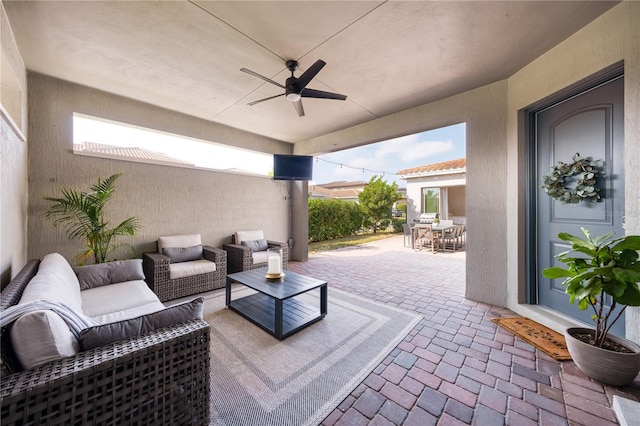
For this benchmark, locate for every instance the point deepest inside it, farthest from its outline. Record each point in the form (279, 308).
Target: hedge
(330, 219)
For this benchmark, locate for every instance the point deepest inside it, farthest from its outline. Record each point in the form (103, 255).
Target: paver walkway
(456, 367)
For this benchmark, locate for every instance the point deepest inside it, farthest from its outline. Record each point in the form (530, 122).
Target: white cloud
(410, 148)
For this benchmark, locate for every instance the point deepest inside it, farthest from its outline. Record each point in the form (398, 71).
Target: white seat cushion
(241, 236)
(179, 241)
(117, 297)
(187, 269)
(259, 257)
(137, 311)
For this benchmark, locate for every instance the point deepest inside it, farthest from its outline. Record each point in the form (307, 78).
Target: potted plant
(83, 216)
(597, 267)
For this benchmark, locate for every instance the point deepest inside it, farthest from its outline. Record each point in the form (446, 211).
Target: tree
(376, 201)
(82, 215)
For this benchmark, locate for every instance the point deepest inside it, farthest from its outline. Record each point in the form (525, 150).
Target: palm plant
(83, 217)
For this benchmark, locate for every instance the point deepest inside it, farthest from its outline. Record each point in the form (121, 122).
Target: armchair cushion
(183, 254)
(241, 236)
(179, 241)
(104, 334)
(189, 269)
(259, 257)
(256, 245)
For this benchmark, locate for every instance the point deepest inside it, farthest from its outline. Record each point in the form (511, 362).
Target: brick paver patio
(456, 367)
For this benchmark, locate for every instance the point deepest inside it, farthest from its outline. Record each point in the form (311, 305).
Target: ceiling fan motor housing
(292, 92)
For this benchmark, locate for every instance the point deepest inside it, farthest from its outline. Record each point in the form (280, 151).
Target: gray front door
(591, 124)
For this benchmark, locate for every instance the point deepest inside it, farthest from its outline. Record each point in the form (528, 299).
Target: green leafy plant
(82, 214)
(602, 265)
(376, 201)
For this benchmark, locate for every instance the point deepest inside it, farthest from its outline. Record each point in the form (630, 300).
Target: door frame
(592, 82)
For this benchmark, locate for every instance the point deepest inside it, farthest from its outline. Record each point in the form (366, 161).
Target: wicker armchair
(241, 257)
(160, 377)
(157, 270)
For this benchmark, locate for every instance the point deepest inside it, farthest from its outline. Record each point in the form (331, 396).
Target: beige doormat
(548, 341)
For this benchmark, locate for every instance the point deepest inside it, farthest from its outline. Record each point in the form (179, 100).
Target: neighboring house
(346, 191)
(339, 190)
(437, 188)
(127, 153)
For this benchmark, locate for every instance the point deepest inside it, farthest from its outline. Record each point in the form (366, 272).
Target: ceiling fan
(296, 88)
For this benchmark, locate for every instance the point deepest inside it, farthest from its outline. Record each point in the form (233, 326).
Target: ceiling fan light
(293, 97)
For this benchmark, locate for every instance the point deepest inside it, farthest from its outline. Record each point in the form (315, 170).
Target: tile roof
(344, 184)
(132, 152)
(460, 163)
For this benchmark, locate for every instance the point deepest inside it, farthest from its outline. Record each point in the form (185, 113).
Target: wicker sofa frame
(156, 271)
(158, 378)
(240, 257)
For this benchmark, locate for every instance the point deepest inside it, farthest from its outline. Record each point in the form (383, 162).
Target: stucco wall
(611, 38)
(168, 200)
(484, 110)
(414, 193)
(13, 155)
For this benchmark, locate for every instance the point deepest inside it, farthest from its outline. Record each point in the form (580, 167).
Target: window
(109, 139)
(430, 200)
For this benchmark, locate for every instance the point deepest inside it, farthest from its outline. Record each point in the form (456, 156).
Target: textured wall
(610, 39)
(13, 155)
(168, 200)
(13, 193)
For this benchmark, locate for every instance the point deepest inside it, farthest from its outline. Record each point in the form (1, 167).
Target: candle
(274, 265)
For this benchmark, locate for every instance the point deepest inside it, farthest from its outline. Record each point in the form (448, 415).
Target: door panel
(590, 124)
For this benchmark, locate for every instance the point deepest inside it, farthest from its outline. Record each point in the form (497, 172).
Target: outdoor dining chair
(451, 239)
(408, 234)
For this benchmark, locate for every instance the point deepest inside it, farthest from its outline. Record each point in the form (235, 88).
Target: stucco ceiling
(386, 56)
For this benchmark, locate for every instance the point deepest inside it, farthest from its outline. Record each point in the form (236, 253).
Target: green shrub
(330, 219)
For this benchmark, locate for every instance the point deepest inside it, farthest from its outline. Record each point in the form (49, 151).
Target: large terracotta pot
(608, 367)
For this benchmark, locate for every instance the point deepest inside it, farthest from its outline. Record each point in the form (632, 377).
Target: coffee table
(274, 307)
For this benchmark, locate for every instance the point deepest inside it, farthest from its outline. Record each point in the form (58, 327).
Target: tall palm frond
(81, 214)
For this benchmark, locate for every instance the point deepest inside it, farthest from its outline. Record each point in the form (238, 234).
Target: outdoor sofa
(158, 374)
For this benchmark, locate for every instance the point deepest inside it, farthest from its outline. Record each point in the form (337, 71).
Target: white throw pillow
(40, 337)
(54, 281)
(241, 236)
(179, 241)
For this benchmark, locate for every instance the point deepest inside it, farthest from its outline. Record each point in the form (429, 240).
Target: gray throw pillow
(256, 245)
(126, 270)
(92, 276)
(100, 335)
(183, 254)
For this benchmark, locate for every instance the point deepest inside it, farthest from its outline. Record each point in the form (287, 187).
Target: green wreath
(586, 176)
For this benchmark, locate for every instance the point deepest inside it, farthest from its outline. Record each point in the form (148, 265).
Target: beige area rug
(259, 380)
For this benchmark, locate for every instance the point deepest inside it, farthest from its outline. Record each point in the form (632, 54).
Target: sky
(388, 157)
(202, 154)
(356, 164)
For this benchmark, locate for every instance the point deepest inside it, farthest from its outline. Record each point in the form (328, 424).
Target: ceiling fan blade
(299, 109)
(308, 75)
(255, 74)
(311, 93)
(265, 99)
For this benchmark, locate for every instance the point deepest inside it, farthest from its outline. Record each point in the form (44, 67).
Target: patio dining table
(419, 230)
